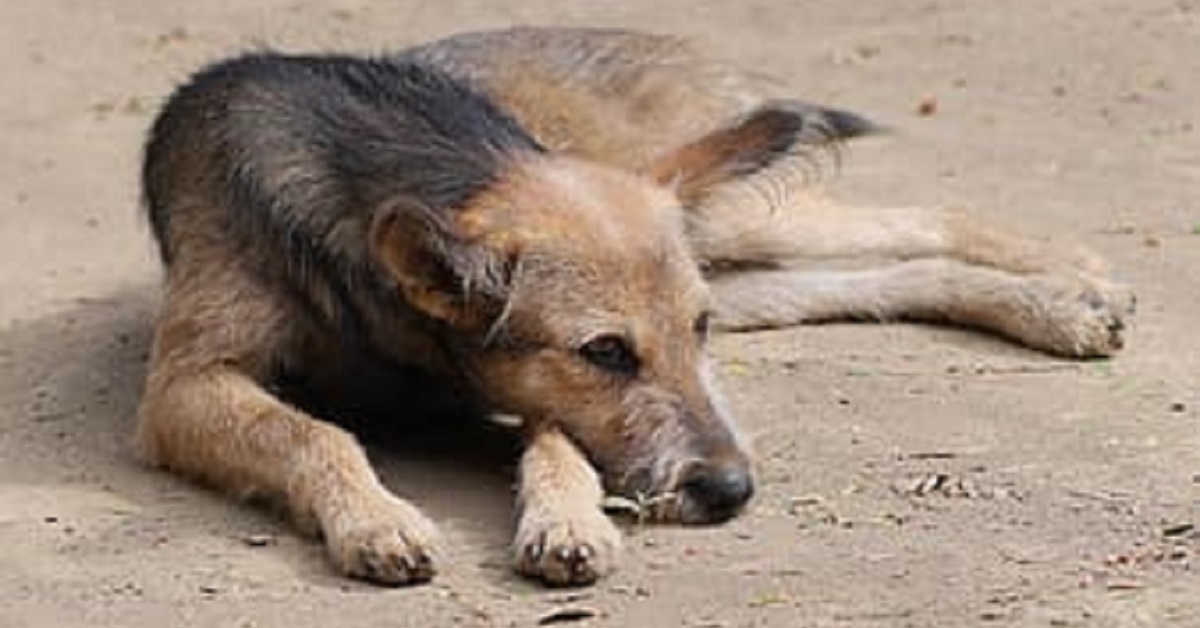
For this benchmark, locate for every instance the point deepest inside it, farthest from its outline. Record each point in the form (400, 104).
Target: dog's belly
(367, 392)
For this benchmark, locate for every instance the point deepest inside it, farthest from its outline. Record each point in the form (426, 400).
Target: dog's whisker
(642, 508)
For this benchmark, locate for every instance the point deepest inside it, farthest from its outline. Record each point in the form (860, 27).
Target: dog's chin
(691, 512)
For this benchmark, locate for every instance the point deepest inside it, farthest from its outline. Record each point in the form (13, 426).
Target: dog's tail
(823, 125)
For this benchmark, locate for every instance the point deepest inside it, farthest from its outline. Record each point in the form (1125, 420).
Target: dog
(548, 222)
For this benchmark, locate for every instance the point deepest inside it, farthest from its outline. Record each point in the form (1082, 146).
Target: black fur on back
(302, 151)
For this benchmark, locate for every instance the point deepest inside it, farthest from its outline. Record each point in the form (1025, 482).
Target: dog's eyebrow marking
(597, 323)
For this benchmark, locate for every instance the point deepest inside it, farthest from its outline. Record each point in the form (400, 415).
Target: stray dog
(550, 221)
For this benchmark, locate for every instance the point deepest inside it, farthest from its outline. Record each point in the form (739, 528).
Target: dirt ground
(910, 476)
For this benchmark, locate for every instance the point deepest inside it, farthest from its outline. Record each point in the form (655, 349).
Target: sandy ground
(911, 476)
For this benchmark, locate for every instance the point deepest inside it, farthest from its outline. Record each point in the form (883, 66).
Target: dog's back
(614, 96)
(287, 126)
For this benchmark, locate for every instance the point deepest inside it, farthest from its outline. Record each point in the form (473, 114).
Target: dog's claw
(533, 553)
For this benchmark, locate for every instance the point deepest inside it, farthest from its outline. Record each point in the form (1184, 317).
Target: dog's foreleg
(563, 537)
(205, 414)
(1064, 315)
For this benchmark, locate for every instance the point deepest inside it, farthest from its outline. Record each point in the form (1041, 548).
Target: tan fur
(633, 226)
(776, 217)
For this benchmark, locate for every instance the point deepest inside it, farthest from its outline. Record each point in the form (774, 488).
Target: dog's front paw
(567, 552)
(1080, 318)
(390, 544)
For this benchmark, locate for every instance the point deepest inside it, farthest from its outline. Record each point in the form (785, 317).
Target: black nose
(718, 491)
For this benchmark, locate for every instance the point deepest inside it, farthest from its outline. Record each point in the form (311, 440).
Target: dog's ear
(436, 270)
(752, 143)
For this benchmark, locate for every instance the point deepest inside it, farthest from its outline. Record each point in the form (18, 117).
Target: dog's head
(574, 302)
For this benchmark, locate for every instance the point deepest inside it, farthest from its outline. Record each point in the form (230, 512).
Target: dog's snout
(718, 491)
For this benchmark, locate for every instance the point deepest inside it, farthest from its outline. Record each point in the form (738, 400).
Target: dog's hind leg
(744, 222)
(563, 537)
(206, 413)
(1060, 314)
(753, 223)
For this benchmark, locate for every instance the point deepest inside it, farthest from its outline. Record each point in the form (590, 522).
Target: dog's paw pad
(568, 553)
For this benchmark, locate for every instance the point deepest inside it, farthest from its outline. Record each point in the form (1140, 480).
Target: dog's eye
(611, 353)
(701, 325)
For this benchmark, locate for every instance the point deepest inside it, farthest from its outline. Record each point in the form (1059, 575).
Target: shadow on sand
(69, 386)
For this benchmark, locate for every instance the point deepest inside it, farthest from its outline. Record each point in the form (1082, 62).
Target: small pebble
(566, 615)
(1179, 529)
(259, 540)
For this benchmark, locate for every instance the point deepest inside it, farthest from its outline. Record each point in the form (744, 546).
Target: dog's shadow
(69, 388)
